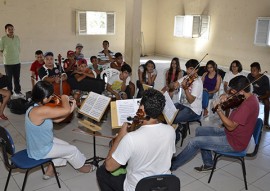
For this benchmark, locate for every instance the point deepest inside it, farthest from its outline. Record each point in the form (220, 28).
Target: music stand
(94, 128)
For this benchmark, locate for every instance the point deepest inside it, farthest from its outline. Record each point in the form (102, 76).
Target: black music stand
(94, 128)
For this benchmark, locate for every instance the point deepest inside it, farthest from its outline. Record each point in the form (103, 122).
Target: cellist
(53, 73)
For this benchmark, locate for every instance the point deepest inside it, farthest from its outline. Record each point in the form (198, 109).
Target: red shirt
(35, 66)
(246, 116)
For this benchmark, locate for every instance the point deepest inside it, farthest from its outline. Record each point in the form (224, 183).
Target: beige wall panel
(232, 31)
(50, 25)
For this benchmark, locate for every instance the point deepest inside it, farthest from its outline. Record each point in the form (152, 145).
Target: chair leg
(25, 179)
(244, 171)
(55, 173)
(42, 168)
(214, 166)
(188, 128)
(9, 174)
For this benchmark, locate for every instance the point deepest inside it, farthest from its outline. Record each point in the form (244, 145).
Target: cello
(62, 87)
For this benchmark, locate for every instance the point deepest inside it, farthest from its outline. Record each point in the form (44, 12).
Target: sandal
(47, 177)
(3, 117)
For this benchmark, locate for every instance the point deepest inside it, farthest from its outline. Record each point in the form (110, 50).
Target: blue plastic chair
(241, 155)
(168, 182)
(20, 160)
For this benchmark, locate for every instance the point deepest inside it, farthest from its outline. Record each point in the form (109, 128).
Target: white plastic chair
(106, 74)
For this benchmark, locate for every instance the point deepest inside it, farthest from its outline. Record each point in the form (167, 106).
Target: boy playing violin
(146, 151)
(261, 89)
(236, 134)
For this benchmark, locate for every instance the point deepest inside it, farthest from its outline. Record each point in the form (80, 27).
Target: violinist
(261, 88)
(40, 140)
(190, 107)
(146, 151)
(236, 134)
(50, 72)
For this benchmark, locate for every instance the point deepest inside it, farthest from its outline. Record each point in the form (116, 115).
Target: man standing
(10, 47)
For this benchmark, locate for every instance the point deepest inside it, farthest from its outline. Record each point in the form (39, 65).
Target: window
(262, 33)
(191, 26)
(95, 23)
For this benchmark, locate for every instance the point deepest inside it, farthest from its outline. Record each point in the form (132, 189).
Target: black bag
(19, 105)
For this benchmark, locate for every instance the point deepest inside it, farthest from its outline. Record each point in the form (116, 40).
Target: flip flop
(3, 117)
(47, 177)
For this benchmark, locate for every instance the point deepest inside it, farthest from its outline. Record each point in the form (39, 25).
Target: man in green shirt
(10, 47)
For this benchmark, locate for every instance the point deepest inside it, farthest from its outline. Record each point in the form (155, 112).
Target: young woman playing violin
(146, 151)
(236, 134)
(41, 142)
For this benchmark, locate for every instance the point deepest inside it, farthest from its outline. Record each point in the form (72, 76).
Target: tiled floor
(228, 176)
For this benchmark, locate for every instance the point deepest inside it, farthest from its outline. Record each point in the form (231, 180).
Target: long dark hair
(170, 72)
(145, 68)
(41, 90)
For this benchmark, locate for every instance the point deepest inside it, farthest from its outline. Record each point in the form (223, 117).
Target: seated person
(235, 135)
(105, 56)
(41, 143)
(5, 95)
(117, 64)
(147, 75)
(70, 63)
(54, 74)
(261, 88)
(83, 79)
(95, 66)
(78, 52)
(172, 75)
(117, 84)
(35, 66)
(191, 107)
(146, 151)
(211, 84)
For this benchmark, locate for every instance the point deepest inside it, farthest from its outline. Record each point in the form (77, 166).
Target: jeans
(108, 182)
(13, 71)
(184, 114)
(205, 99)
(206, 139)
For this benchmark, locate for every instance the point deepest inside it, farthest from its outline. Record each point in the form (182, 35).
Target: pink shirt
(246, 116)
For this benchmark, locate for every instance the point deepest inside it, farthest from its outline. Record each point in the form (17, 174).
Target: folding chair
(20, 160)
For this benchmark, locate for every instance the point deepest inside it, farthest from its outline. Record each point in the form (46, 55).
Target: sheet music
(126, 108)
(169, 109)
(95, 105)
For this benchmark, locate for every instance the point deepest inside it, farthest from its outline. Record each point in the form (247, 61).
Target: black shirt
(261, 86)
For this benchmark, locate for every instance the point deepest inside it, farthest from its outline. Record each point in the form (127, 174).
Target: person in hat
(70, 63)
(83, 71)
(35, 66)
(78, 52)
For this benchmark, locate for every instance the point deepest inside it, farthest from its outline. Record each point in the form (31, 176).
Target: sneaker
(203, 168)
(18, 95)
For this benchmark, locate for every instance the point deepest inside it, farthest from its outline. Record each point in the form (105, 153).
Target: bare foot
(85, 168)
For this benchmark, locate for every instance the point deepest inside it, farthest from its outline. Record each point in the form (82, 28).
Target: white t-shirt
(196, 90)
(229, 75)
(116, 82)
(148, 151)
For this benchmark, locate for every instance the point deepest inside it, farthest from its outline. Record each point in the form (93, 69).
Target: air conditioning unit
(191, 26)
(262, 33)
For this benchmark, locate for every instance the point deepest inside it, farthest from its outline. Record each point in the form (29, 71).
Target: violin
(192, 76)
(231, 103)
(137, 121)
(235, 100)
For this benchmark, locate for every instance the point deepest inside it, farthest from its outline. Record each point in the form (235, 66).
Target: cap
(82, 61)
(70, 52)
(79, 45)
(48, 54)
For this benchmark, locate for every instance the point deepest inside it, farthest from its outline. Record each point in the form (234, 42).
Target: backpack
(19, 105)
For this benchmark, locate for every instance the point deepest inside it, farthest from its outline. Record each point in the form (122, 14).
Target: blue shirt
(39, 138)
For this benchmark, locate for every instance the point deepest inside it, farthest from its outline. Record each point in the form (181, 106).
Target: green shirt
(11, 49)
